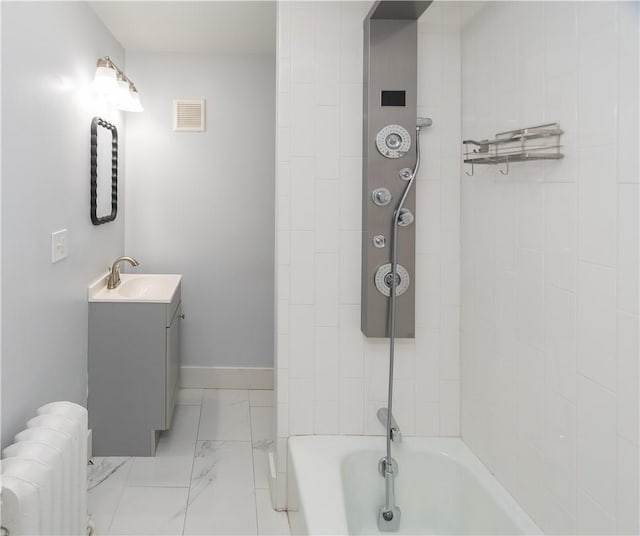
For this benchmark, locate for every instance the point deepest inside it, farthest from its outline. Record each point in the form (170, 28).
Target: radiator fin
(44, 474)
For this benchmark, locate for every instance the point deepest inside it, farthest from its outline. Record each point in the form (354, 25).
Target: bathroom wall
(550, 262)
(202, 203)
(330, 378)
(49, 53)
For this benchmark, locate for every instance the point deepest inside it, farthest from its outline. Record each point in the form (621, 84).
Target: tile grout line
(193, 461)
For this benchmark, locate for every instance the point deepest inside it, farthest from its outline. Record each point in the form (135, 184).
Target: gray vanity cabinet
(133, 374)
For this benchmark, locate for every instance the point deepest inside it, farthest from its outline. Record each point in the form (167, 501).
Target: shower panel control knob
(406, 217)
(379, 241)
(381, 196)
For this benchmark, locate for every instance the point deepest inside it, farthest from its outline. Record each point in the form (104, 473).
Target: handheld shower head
(423, 122)
(420, 123)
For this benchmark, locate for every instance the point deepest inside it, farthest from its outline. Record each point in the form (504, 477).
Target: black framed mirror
(104, 171)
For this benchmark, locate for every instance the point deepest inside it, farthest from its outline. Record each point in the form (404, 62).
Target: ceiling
(242, 27)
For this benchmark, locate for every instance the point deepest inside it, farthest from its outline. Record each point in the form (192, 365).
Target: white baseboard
(226, 378)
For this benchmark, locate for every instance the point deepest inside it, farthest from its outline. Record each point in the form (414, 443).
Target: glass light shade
(132, 104)
(104, 81)
(123, 96)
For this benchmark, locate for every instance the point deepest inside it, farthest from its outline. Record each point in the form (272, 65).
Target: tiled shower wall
(550, 262)
(330, 378)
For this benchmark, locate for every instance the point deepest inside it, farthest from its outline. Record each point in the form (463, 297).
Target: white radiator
(44, 474)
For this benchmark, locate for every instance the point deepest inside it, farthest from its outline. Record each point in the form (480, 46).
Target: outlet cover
(59, 245)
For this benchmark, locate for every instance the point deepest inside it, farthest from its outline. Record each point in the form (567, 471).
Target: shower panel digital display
(393, 98)
(389, 130)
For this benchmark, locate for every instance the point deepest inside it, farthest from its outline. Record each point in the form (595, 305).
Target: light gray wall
(49, 52)
(202, 203)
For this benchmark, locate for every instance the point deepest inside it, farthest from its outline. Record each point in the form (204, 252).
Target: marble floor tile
(270, 521)
(161, 471)
(189, 397)
(156, 511)
(210, 474)
(180, 439)
(222, 494)
(106, 479)
(260, 397)
(261, 463)
(262, 423)
(225, 415)
(106, 470)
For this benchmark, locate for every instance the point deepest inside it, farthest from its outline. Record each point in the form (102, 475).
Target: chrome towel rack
(515, 146)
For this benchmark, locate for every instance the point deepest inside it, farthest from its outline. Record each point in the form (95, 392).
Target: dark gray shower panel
(389, 100)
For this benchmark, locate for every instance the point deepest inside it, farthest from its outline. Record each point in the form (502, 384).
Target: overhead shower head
(423, 122)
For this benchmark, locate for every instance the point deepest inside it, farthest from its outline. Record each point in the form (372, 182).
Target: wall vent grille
(188, 115)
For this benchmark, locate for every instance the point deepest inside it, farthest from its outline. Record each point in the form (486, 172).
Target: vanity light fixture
(111, 82)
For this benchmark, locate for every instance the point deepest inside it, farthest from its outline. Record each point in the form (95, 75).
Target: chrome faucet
(114, 271)
(394, 432)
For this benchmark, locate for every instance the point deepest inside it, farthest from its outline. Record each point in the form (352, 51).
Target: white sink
(138, 288)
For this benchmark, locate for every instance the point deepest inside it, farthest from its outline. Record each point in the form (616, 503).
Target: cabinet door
(173, 358)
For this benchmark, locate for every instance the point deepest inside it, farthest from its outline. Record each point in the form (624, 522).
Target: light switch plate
(59, 245)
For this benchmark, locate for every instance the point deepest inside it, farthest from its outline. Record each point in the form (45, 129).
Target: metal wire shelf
(515, 146)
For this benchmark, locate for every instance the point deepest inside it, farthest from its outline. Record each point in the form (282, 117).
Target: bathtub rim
(321, 474)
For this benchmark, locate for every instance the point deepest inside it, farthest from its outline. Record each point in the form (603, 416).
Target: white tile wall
(549, 277)
(330, 378)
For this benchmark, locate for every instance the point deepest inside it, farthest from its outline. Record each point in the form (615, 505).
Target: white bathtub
(442, 488)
